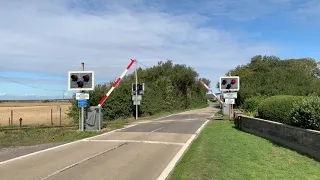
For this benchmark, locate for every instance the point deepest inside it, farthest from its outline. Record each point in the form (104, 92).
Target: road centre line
(86, 159)
(136, 141)
(154, 131)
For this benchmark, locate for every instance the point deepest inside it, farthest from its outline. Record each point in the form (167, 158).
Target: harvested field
(34, 112)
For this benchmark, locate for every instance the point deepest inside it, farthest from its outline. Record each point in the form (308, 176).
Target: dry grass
(33, 112)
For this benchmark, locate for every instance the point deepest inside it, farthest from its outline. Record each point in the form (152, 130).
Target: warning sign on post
(229, 101)
(82, 96)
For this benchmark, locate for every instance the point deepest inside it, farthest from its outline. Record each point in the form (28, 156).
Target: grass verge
(223, 152)
(33, 136)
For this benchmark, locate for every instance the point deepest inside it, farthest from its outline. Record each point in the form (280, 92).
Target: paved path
(142, 151)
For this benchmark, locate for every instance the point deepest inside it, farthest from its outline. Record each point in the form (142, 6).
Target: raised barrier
(304, 141)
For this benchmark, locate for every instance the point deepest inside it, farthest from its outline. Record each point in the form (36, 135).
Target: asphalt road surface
(143, 151)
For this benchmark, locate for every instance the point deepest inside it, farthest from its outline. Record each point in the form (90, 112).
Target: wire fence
(34, 115)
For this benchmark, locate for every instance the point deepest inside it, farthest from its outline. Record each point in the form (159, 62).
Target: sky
(41, 40)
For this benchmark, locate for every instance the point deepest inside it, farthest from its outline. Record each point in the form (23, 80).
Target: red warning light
(224, 82)
(74, 77)
(86, 78)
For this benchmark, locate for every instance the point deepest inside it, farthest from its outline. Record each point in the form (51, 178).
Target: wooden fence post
(51, 118)
(11, 117)
(60, 115)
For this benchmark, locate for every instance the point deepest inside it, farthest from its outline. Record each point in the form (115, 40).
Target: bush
(251, 104)
(278, 108)
(306, 113)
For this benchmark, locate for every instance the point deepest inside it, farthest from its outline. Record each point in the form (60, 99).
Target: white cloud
(51, 37)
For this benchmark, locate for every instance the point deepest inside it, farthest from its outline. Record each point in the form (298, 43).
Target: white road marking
(171, 115)
(165, 173)
(56, 147)
(79, 162)
(201, 127)
(137, 141)
(154, 131)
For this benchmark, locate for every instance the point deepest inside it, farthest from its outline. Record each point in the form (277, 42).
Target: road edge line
(167, 171)
(60, 146)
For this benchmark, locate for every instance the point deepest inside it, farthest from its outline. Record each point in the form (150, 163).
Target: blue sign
(82, 103)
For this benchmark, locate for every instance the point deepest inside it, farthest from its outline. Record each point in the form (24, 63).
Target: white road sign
(139, 97)
(229, 101)
(82, 96)
(230, 95)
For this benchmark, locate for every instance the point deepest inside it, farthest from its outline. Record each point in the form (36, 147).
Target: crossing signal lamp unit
(140, 89)
(229, 83)
(81, 80)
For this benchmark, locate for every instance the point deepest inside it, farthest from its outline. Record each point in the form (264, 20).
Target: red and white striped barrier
(115, 84)
(211, 91)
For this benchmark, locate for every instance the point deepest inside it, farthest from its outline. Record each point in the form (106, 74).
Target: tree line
(285, 91)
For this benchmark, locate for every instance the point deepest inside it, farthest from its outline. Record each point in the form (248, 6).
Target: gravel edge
(13, 152)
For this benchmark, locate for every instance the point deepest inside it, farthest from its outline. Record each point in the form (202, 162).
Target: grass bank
(223, 152)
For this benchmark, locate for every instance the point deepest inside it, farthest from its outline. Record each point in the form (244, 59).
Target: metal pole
(82, 108)
(80, 120)
(136, 90)
(99, 118)
(230, 105)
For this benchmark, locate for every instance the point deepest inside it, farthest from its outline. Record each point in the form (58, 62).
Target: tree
(268, 76)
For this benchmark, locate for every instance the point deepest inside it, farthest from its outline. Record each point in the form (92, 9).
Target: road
(143, 151)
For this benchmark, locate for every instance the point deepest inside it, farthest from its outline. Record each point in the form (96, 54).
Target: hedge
(278, 108)
(251, 104)
(306, 113)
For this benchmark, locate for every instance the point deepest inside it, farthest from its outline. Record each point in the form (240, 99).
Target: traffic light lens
(86, 78)
(74, 77)
(233, 81)
(228, 86)
(80, 84)
(224, 82)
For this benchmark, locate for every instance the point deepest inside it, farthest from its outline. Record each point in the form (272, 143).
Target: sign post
(229, 86)
(81, 81)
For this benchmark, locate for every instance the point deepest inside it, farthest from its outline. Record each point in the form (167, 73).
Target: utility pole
(136, 89)
(82, 108)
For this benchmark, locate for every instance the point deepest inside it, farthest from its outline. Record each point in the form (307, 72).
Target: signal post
(81, 81)
(229, 86)
(137, 93)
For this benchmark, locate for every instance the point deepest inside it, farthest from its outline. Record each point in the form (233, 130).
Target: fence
(46, 115)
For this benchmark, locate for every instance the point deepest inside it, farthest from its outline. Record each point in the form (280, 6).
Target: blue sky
(41, 40)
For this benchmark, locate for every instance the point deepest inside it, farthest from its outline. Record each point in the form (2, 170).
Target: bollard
(20, 120)
(9, 122)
